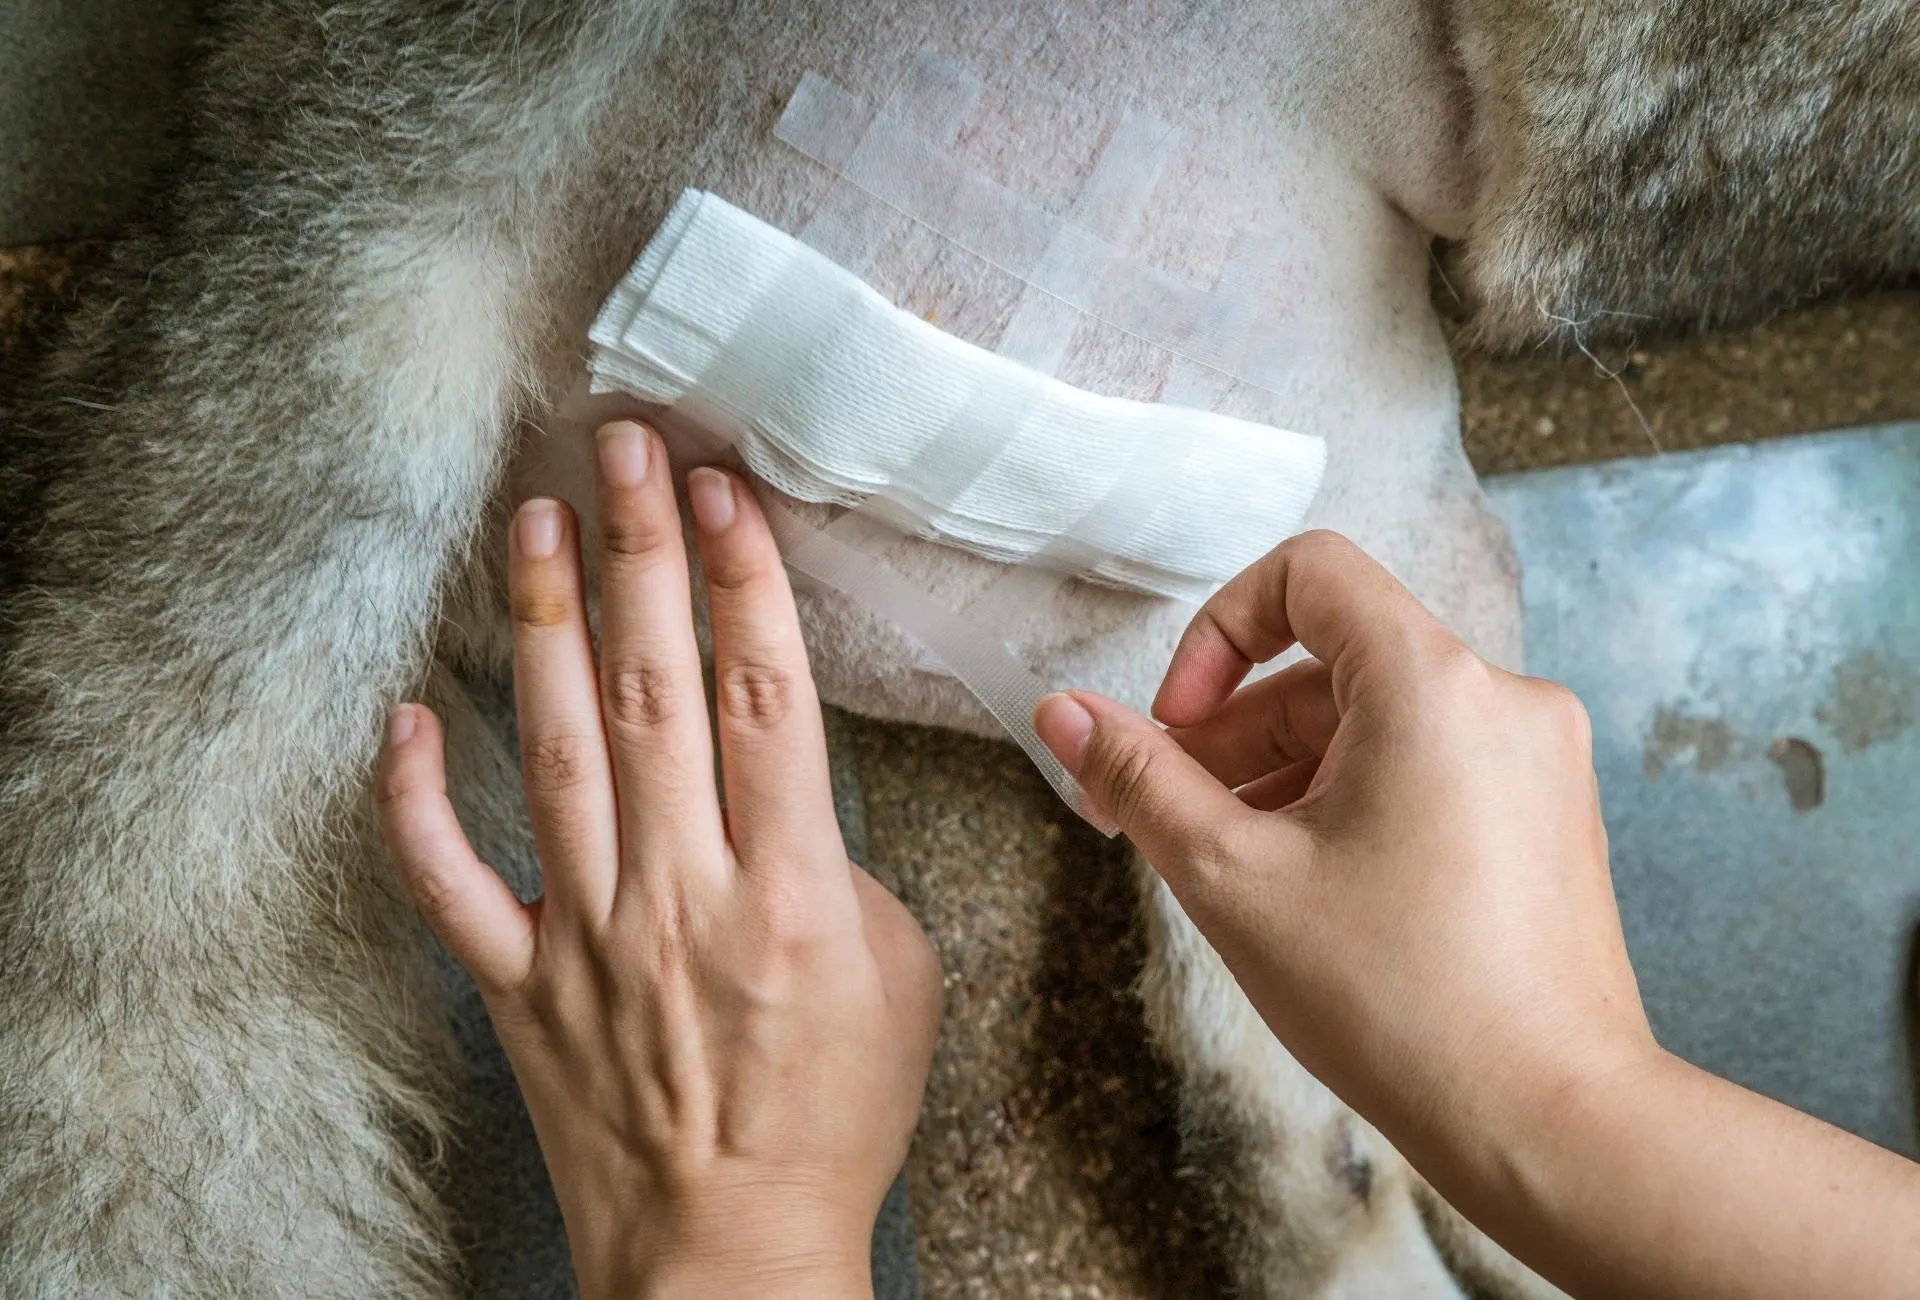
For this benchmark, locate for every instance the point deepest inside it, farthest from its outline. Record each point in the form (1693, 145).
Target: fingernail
(400, 726)
(539, 529)
(1065, 727)
(712, 496)
(623, 454)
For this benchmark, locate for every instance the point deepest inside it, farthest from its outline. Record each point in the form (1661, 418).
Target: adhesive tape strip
(1236, 306)
(1110, 205)
(1109, 208)
(935, 100)
(902, 169)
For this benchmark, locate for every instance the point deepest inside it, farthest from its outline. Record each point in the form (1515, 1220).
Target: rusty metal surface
(1743, 624)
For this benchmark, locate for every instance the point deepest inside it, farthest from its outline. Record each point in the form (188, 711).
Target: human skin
(721, 1026)
(1397, 849)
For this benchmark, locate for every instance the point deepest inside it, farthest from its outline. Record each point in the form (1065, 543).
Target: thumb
(470, 908)
(1173, 809)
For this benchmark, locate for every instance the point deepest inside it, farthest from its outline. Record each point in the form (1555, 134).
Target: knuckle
(393, 790)
(733, 575)
(556, 764)
(1283, 731)
(541, 609)
(1206, 856)
(1320, 539)
(634, 541)
(640, 696)
(792, 912)
(1569, 716)
(1457, 671)
(433, 896)
(755, 696)
(667, 950)
(1316, 548)
(1126, 774)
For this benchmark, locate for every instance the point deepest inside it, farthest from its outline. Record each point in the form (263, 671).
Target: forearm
(1668, 1181)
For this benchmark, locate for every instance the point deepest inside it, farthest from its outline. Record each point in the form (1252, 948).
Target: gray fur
(1669, 164)
(228, 497)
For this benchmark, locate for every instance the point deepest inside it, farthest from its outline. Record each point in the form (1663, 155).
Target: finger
(1318, 589)
(773, 745)
(563, 750)
(1281, 789)
(652, 697)
(1171, 807)
(1279, 720)
(487, 929)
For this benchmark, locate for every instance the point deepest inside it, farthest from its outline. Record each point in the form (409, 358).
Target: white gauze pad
(833, 395)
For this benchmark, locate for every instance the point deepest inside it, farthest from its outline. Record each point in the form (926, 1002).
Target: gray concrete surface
(1743, 625)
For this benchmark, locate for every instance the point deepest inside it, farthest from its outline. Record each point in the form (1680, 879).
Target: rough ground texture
(1047, 1164)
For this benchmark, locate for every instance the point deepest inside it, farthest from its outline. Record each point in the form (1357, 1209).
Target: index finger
(1317, 590)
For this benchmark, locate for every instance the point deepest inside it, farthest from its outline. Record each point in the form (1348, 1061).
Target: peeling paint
(1804, 770)
(1872, 700)
(1676, 733)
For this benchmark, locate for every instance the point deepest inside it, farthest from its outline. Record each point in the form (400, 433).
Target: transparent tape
(895, 164)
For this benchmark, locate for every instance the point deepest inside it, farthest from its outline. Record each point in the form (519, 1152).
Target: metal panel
(1744, 626)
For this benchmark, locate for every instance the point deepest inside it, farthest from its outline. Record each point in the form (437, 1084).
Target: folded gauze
(833, 395)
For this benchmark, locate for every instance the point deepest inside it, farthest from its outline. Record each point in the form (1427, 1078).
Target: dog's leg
(227, 502)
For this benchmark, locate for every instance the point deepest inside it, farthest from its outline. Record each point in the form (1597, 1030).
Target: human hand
(1411, 882)
(722, 1027)
(1397, 849)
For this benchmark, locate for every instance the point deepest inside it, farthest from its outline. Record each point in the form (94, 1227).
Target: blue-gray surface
(1743, 624)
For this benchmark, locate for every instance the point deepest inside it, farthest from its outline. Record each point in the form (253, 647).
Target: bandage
(769, 351)
(834, 396)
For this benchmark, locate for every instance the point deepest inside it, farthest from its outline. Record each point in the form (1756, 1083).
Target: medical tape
(1109, 206)
(934, 100)
(1108, 210)
(1106, 213)
(929, 184)
(1236, 301)
(1081, 261)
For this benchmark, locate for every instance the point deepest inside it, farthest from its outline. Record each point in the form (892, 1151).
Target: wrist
(1551, 1167)
(1522, 1144)
(756, 1250)
(765, 1278)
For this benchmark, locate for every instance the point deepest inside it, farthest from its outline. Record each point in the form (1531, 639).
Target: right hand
(1395, 846)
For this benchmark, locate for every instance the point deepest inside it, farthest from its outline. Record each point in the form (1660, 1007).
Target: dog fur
(1659, 164)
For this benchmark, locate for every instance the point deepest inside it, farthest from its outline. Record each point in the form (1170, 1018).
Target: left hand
(722, 1027)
